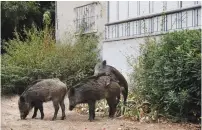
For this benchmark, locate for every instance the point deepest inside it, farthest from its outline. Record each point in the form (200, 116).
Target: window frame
(93, 28)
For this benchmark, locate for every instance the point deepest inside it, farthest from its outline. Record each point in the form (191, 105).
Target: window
(184, 19)
(157, 6)
(133, 9)
(85, 18)
(189, 18)
(171, 5)
(199, 17)
(198, 2)
(187, 3)
(113, 11)
(144, 7)
(118, 10)
(140, 18)
(123, 10)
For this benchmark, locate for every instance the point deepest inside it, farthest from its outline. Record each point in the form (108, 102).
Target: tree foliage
(17, 14)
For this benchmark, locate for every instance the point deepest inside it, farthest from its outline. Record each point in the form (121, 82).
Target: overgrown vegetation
(38, 56)
(167, 74)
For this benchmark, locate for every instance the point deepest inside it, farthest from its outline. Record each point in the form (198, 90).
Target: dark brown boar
(91, 90)
(103, 68)
(43, 90)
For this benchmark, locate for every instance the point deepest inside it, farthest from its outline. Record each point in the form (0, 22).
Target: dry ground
(10, 120)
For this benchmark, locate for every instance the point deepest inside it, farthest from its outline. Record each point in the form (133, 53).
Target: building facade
(125, 24)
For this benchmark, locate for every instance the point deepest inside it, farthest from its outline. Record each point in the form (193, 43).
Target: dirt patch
(10, 120)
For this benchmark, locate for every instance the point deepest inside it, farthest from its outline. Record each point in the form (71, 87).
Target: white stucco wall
(116, 53)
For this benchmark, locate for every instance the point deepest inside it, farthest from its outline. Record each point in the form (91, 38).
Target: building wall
(128, 26)
(133, 18)
(116, 53)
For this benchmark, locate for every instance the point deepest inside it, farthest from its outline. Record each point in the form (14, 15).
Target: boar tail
(125, 94)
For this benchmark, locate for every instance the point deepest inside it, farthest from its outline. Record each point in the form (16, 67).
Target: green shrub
(168, 74)
(38, 56)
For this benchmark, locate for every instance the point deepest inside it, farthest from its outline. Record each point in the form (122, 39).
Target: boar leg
(94, 114)
(108, 102)
(39, 105)
(56, 106)
(35, 112)
(112, 106)
(91, 106)
(62, 105)
(117, 100)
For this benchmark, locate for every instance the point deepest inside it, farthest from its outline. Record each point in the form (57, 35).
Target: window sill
(91, 3)
(90, 32)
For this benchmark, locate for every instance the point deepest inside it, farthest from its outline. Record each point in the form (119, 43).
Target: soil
(10, 120)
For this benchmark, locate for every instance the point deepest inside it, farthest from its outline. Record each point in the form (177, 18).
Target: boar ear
(72, 91)
(22, 99)
(104, 63)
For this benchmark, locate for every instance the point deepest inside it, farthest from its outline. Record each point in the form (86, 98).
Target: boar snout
(22, 117)
(71, 107)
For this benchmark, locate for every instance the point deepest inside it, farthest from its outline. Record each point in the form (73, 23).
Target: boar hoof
(53, 118)
(42, 117)
(63, 118)
(90, 119)
(111, 117)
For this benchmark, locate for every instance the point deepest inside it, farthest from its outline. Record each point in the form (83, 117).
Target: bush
(168, 74)
(37, 56)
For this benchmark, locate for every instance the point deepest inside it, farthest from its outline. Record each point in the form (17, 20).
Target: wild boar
(103, 68)
(91, 90)
(43, 90)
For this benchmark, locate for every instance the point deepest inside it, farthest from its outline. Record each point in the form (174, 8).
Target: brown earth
(10, 120)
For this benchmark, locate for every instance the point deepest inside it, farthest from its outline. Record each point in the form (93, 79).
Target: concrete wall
(116, 53)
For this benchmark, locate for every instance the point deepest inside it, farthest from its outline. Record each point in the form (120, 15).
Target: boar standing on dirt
(92, 90)
(103, 68)
(42, 91)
